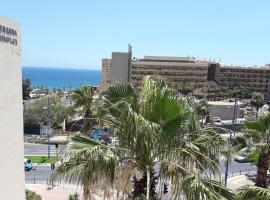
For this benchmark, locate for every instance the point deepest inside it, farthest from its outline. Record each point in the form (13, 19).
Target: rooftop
(169, 59)
(163, 63)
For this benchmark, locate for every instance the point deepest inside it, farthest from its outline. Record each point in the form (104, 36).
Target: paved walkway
(57, 193)
(239, 181)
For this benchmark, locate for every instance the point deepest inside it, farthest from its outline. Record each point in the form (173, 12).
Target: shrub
(29, 195)
(74, 196)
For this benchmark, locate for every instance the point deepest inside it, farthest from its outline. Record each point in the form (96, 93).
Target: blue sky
(61, 33)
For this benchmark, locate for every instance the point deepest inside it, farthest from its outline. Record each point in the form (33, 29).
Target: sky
(78, 34)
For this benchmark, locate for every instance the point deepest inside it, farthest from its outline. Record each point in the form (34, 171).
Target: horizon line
(60, 67)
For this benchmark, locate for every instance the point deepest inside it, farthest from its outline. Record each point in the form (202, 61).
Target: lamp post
(49, 126)
(227, 160)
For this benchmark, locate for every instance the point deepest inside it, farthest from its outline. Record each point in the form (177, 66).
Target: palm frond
(196, 187)
(252, 193)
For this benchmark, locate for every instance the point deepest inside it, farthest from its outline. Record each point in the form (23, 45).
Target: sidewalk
(58, 192)
(238, 181)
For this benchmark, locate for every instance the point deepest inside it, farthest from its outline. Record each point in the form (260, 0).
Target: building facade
(11, 107)
(106, 73)
(181, 73)
(254, 79)
(186, 74)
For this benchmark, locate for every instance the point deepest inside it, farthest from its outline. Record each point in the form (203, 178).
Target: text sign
(8, 35)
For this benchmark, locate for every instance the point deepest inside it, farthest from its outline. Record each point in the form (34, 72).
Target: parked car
(216, 119)
(28, 165)
(241, 159)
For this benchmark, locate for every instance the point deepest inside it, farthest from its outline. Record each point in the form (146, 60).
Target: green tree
(202, 109)
(257, 100)
(83, 98)
(258, 134)
(154, 127)
(34, 112)
(26, 88)
(238, 92)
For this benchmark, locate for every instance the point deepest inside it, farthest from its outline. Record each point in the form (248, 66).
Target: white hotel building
(11, 116)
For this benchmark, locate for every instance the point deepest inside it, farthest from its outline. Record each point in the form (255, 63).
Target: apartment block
(106, 74)
(181, 73)
(185, 74)
(254, 79)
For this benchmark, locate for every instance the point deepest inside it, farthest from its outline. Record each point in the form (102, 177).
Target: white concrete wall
(11, 117)
(119, 67)
(224, 112)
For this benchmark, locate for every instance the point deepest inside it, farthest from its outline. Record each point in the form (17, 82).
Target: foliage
(203, 109)
(35, 112)
(43, 159)
(74, 196)
(252, 193)
(254, 156)
(257, 101)
(29, 195)
(83, 98)
(239, 92)
(26, 88)
(257, 137)
(155, 126)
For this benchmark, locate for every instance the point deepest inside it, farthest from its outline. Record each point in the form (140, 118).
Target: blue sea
(61, 77)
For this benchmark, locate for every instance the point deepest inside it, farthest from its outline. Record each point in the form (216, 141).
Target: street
(41, 173)
(41, 149)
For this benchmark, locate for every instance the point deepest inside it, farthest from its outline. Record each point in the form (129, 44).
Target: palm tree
(259, 134)
(252, 193)
(257, 101)
(155, 127)
(83, 98)
(202, 109)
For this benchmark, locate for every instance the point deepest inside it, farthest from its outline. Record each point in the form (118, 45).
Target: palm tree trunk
(263, 164)
(257, 110)
(141, 186)
(148, 183)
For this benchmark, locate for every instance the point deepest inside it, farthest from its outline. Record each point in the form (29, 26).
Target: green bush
(74, 196)
(29, 195)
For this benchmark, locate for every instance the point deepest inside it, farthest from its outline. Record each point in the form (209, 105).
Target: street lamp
(233, 122)
(49, 125)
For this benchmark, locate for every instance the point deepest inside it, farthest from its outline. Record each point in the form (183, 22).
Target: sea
(64, 78)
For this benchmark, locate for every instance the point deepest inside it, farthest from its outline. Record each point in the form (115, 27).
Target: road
(42, 173)
(235, 167)
(40, 149)
(39, 174)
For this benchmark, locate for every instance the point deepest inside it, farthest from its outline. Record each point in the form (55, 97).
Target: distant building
(11, 107)
(106, 74)
(254, 79)
(186, 74)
